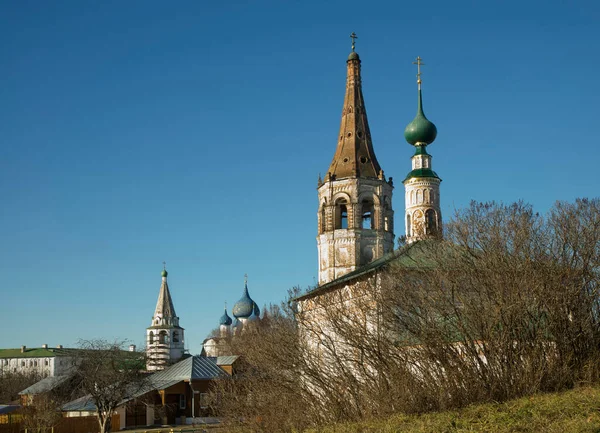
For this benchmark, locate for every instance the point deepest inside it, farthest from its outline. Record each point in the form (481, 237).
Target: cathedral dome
(353, 56)
(164, 273)
(245, 306)
(420, 130)
(225, 319)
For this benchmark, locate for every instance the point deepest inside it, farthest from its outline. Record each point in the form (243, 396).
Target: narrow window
(408, 228)
(181, 401)
(426, 198)
(341, 220)
(419, 196)
(162, 337)
(151, 338)
(367, 215)
(430, 223)
(175, 337)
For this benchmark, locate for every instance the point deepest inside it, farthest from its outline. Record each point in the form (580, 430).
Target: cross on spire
(418, 63)
(353, 37)
(164, 266)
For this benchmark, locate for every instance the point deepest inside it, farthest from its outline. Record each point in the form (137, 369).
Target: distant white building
(45, 361)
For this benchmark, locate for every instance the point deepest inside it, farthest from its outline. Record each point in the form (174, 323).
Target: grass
(577, 410)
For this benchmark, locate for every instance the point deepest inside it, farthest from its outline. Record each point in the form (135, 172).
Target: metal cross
(418, 63)
(164, 266)
(353, 37)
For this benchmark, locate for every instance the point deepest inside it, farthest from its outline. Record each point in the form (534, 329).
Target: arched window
(163, 337)
(408, 228)
(430, 222)
(367, 220)
(432, 196)
(419, 196)
(151, 337)
(341, 215)
(175, 336)
(426, 196)
(412, 197)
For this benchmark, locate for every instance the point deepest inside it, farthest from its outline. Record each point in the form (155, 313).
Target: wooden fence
(82, 424)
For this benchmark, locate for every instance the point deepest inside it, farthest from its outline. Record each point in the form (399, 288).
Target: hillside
(576, 410)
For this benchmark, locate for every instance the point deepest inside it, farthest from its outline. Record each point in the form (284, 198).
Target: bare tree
(110, 376)
(43, 414)
(13, 383)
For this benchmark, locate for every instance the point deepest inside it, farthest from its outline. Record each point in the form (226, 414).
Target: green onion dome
(225, 319)
(420, 130)
(164, 273)
(245, 306)
(353, 56)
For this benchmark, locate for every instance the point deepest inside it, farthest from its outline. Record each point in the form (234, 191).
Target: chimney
(23, 349)
(44, 346)
(59, 346)
(132, 347)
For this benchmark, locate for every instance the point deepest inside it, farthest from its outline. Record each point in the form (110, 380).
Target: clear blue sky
(193, 132)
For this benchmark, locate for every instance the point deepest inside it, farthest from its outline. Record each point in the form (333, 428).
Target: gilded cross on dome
(419, 62)
(353, 37)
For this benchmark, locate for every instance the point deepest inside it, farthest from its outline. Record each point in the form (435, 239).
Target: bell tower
(423, 215)
(355, 217)
(164, 337)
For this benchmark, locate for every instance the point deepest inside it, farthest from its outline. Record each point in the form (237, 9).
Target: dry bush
(506, 305)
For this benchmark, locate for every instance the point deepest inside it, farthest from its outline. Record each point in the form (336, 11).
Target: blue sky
(194, 132)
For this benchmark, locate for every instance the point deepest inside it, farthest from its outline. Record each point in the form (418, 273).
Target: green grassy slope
(577, 410)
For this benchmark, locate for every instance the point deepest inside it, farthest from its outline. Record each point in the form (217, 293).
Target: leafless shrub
(507, 305)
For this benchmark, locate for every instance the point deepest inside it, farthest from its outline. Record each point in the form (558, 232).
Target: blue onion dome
(237, 323)
(225, 319)
(420, 132)
(245, 306)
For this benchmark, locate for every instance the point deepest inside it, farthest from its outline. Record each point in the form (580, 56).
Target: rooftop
(409, 256)
(36, 352)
